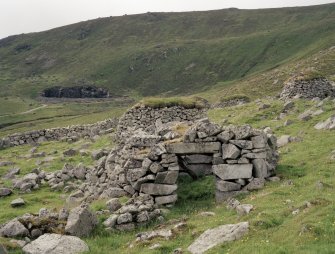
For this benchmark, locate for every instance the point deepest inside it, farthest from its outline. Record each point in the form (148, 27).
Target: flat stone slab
(198, 159)
(213, 237)
(158, 189)
(194, 148)
(56, 244)
(230, 172)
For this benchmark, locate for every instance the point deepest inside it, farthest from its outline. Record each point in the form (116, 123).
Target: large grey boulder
(81, 221)
(14, 228)
(56, 244)
(230, 172)
(5, 192)
(213, 237)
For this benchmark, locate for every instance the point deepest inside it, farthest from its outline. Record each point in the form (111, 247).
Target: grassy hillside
(163, 53)
(307, 185)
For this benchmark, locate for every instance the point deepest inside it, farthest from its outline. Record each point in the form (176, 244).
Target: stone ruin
(69, 133)
(155, 147)
(147, 162)
(308, 89)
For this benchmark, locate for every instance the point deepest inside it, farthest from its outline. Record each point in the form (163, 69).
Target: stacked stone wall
(70, 133)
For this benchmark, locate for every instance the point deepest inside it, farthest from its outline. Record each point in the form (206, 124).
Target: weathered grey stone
(162, 200)
(56, 244)
(230, 172)
(5, 192)
(242, 132)
(158, 189)
(70, 152)
(225, 136)
(283, 140)
(13, 228)
(255, 184)
(213, 237)
(124, 218)
(63, 214)
(260, 169)
(243, 144)
(156, 167)
(167, 177)
(97, 154)
(261, 155)
(193, 148)
(113, 204)
(81, 221)
(111, 221)
(142, 217)
(17, 202)
(230, 151)
(134, 174)
(198, 159)
(227, 186)
(259, 141)
(11, 173)
(244, 209)
(36, 233)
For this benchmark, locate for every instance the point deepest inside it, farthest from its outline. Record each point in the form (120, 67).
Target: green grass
(273, 227)
(186, 102)
(164, 53)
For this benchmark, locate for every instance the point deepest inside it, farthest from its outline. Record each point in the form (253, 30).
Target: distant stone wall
(308, 89)
(64, 133)
(145, 118)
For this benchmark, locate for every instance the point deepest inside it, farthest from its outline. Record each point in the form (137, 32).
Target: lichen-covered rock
(81, 221)
(213, 237)
(56, 244)
(14, 228)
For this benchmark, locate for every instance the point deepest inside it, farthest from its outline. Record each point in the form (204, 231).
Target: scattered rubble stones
(328, 124)
(308, 89)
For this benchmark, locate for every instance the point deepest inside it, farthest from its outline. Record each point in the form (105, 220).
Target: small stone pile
(137, 211)
(80, 221)
(308, 89)
(70, 133)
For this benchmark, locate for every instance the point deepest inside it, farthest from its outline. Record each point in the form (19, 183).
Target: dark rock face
(76, 92)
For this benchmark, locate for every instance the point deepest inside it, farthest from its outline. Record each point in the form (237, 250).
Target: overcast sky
(24, 16)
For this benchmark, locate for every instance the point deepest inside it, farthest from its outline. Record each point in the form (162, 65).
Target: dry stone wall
(146, 164)
(145, 118)
(64, 133)
(308, 89)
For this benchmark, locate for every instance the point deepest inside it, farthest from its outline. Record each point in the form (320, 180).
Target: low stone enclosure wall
(146, 166)
(64, 133)
(308, 89)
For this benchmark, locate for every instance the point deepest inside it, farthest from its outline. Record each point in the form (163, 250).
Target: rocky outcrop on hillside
(308, 89)
(76, 92)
